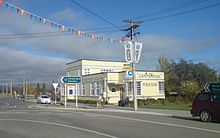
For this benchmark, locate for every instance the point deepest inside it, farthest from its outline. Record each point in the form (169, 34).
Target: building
(111, 81)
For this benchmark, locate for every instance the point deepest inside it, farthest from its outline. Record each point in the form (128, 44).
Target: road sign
(129, 73)
(71, 84)
(70, 79)
(127, 68)
(55, 85)
(212, 87)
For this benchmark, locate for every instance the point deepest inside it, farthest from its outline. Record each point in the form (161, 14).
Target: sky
(193, 36)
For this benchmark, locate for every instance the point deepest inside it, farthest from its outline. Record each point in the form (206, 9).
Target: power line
(173, 8)
(181, 13)
(96, 15)
(45, 34)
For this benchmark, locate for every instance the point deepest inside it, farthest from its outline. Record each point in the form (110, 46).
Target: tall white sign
(128, 51)
(138, 49)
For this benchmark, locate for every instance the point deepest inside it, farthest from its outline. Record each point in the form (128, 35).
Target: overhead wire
(107, 29)
(173, 8)
(98, 16)
(181, 13)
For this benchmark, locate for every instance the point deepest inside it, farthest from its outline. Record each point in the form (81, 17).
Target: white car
(43, 99)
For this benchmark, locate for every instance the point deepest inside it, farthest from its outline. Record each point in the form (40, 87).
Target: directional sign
(70, 79)
(212, 87)
(129, 73)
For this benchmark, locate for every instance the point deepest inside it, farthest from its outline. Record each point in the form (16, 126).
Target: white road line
(62, 125)
(153, 122)
(6, 104)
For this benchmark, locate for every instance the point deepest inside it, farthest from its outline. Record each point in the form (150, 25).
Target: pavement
(115, 108)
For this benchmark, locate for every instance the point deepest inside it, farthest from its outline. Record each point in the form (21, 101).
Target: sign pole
(76, 97)
(55, 93)
(135, 55)
(65, 90)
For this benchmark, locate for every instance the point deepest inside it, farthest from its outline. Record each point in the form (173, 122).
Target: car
(206, 105)
(44, 99)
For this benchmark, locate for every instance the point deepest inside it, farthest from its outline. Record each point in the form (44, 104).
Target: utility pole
(26, 91)
(131, 34)
(11, 88)
(6, 85)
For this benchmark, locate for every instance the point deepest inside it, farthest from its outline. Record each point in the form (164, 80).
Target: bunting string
(58, 26)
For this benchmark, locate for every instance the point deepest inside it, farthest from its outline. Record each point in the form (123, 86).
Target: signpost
(212, 87)
(70, 80)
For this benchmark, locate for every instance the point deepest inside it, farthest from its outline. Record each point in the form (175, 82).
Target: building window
(70, 92)
(87, 71)
(114, 89)
(138, 88)
(130, 86)
(97, 90)
(83, 91)
(161, 88)
(92, 89)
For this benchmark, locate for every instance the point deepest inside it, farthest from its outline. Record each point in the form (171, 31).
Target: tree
(30, 89)
(44, 89)
(178, 75)
(189, 89)
(37, 90)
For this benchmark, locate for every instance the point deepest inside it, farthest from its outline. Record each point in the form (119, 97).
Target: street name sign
(70, 79)
(212, 87)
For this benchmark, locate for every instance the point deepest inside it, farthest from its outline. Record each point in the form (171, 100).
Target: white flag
(128, 51)
(138, 49)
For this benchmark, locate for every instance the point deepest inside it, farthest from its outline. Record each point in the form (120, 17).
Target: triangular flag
(1, 2)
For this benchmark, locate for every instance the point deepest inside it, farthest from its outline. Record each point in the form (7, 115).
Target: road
(19, 119)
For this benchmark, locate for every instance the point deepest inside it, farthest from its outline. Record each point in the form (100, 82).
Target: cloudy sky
(193, 36)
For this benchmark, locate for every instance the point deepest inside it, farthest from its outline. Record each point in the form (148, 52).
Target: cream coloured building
(110, 80)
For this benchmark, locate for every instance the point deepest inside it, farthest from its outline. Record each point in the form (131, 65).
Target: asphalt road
(19, 119)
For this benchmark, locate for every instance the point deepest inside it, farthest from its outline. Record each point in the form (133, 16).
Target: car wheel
(205, 116)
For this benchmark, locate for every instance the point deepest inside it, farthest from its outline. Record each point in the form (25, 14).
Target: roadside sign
(71, 84)
(70, 79)
(127, 68)
(129, 73)
(212, 87)
(55, 85)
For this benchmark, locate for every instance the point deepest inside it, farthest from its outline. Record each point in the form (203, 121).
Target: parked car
(206, 105)
(43, 99)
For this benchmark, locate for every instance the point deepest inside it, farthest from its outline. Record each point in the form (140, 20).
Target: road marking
(153, 122)
(92, 115)
(6, 104)
(62, 125)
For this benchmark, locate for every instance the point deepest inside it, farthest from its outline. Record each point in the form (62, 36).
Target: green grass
(171, 106)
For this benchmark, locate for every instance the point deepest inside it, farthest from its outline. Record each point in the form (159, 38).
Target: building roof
(93, 60)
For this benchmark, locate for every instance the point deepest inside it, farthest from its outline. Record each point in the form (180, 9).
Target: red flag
(1, 2)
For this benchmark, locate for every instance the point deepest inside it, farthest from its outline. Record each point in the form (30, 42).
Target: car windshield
(44, 96)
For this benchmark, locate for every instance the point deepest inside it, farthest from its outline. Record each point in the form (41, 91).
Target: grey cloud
(17, 65)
